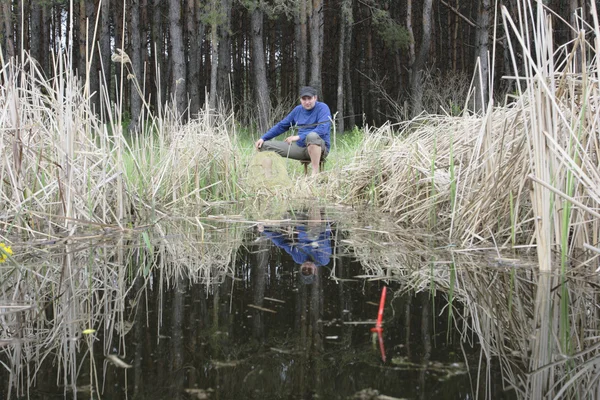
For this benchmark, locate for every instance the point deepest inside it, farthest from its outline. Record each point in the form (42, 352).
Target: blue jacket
(317, 250)
(316, 120)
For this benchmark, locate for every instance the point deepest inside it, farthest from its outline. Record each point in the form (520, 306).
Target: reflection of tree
(426, 338)
(309, 312)
(138, 330)
(176, 341)
(259, 272)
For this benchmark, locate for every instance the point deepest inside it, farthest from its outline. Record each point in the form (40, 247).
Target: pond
(228, 307)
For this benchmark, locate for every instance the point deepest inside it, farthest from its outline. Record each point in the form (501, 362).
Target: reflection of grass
(79, 290)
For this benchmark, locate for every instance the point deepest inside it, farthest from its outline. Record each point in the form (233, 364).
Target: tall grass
(62, 166)
(522, 174)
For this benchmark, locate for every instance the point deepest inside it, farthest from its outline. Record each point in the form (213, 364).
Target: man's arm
(282, 126)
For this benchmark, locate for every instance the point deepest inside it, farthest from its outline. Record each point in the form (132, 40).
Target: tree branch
(467, 20)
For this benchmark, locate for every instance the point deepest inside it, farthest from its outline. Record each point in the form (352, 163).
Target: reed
(525, 169)
(63, 166)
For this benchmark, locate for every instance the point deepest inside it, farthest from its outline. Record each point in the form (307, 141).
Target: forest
(371, 60)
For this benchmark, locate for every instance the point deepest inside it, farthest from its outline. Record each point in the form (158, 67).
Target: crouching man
(312, 118)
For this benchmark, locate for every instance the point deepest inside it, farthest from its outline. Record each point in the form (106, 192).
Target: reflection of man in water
(311, 248)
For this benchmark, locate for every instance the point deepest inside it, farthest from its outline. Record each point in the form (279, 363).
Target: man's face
(308, 268)
(308, 102)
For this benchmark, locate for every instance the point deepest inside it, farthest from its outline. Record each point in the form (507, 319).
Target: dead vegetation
(522, 174)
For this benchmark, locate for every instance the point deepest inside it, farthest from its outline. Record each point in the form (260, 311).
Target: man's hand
(291, 139)
(259, 144)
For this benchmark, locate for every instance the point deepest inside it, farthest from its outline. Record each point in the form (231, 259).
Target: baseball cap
(308, 91)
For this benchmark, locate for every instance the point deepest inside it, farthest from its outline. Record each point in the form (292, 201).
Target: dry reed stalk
(548, 132)
(61, 164)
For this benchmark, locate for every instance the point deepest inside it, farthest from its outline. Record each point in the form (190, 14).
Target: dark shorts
(294, 151)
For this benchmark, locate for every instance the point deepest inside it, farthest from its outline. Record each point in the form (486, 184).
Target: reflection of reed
(202, 252)
(69, 293)
(384, 250)
(518, 314)
(74, 300)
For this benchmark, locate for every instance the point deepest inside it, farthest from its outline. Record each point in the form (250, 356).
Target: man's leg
(292, 151)
(314, 151)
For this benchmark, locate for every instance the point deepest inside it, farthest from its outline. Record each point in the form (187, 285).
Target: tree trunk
(158, 52)
(105, 50)
(118, 17)
(45, 39)
(57, 28)
(37, 34)
(316, 44)
(411, 43)
(20, 27)
(136, 65)
(214, 56)
(214, 64)
(573, 6)
(261, 88)
(224, 68)
(93, 57)
(455, 40)
(178, 86)
(87, 60)
(348, 94)
(83, 34)
(194, 49)
(288, 65)
(419, 63)
(301, 43)
(239, 55)
(482, 79)
(367, 86)
(8, 29)
(273, 42)
(345, 20)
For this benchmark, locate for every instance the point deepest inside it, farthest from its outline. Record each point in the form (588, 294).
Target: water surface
(220, 308)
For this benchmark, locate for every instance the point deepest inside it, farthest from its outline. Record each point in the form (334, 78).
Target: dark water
(266, 331)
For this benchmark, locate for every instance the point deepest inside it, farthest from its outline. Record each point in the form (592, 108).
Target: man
(310, 249)
(313, 120)
(309, 244)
